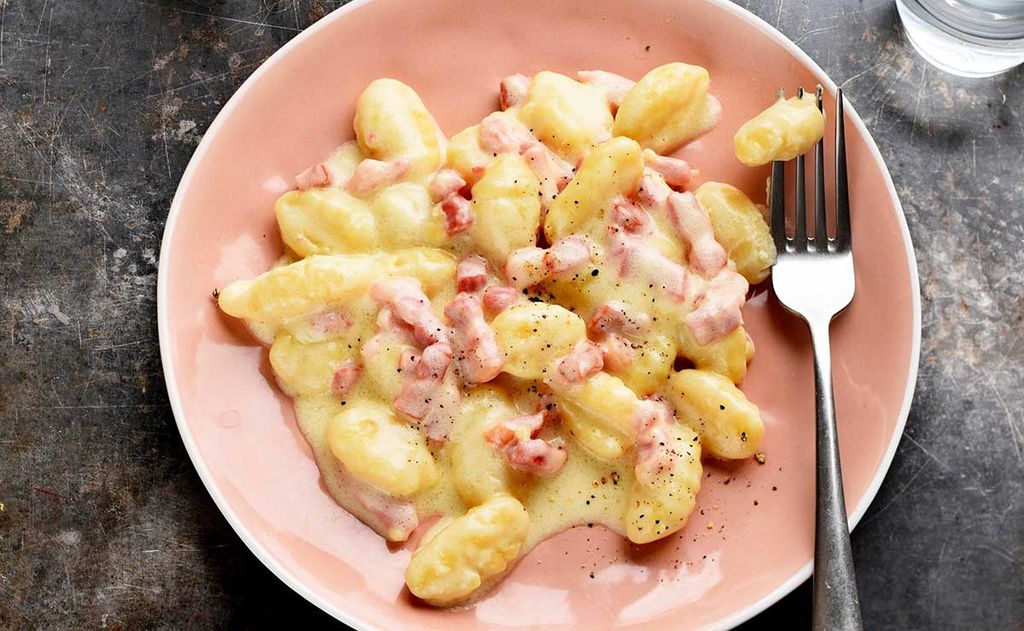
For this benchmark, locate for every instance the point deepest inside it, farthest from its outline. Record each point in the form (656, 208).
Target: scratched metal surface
(103, 522)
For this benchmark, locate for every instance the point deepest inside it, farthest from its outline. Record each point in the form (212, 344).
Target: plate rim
(286, 576)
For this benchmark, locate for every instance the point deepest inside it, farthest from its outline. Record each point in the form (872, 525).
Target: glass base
(957, 57)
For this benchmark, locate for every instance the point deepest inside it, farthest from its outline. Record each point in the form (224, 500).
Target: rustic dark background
(104, 523)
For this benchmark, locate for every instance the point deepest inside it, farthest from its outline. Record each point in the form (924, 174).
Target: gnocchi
(487, 329)
(729, 425)
(741, 229)
(785, 130)
(378, 449)
(668, 107)
(456, 559)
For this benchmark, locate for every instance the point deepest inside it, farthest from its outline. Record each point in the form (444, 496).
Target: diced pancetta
(390, 517)
(430, 400)
(614, 86)
(500, 133)
(315, 176)
(458, 213)
(636, 258)
(513, 90)
(584, 361)
(405, 297)
(616, 351)
(615, 317)
(531, 265)
(444, 183)
(475, 344)
(330, 321)
(631, 217)
(517, 440)
(371, 175)
(471, 274)
(654, 191)
(707, 256)
(498, 298)
(345, 376)
(718, 307)
(675, 171)
(655, 448)
(553, 173)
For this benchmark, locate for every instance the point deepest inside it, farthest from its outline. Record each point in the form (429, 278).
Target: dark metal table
(103, 522)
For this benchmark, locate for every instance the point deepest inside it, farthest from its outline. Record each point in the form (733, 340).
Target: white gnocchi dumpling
(406, 216)
(788, 128)
(726, 356)
(391, 123)
(307, 368)
(458, 557)
(668, 107)
(506, 208)
(665, 486)
(300, 288)
(566, 115)
(533, 335)
(326, 221)
(599, 415)
(380, 450)
(729, 425)
(740, 227)
(613, 168)
(478, 470)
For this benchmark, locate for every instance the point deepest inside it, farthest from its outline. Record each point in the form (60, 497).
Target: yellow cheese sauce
(584, 390)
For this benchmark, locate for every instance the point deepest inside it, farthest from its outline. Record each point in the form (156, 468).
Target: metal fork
(814, 279)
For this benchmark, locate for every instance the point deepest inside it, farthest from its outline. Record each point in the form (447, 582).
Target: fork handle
(836, 605)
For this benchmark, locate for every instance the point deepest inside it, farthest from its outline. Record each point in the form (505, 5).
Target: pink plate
(751, 540)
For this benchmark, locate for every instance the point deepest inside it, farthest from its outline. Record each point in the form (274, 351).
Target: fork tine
(800, 222)
(843, 237)
(777, 205)
(820, 227)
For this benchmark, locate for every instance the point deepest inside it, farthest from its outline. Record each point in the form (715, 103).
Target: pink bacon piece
(636, 257)
(614, 86)
(471, 274)
(718, 308)
(654, 192)
(583, 362)
(609, 325)
(391, 329)
(498, 298)
(617, 352)
(431, 397)
(499, 133)
(553, 173)
(631, 217)
(707, 256)
(656, 451)
(531, 265)
(390, 517)
(476, 346)
(318, 175)
(444, 183)
(330, 321)
(614, 317)
(675, 171)
(371, 175)
(517, 439)
(405, 297)
(458, 213)
(345, 376)
(513, 90)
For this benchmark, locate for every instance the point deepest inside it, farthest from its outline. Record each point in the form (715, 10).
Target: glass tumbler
(969, 38)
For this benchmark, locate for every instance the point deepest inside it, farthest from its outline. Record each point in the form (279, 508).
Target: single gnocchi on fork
(477, 329)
